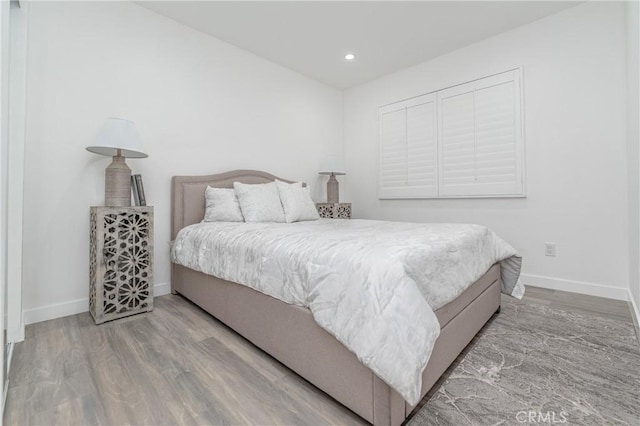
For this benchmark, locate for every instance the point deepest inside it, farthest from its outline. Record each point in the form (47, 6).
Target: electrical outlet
(550, 249)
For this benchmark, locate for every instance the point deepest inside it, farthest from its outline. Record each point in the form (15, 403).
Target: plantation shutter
(422, 146)
(408, 149)
(393, 152)
(480, 137)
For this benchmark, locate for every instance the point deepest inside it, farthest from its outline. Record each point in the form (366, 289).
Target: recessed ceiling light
(349, 56)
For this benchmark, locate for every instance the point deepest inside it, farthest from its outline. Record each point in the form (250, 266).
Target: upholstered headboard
(187, 193)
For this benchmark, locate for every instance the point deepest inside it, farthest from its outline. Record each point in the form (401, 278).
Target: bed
(290, 334)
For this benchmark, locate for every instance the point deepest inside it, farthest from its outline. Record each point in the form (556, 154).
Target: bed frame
(289, 333)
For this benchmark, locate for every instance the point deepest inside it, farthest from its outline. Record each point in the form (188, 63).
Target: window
(463, 141)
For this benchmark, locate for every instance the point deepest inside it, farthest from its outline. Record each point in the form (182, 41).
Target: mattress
(372, 285)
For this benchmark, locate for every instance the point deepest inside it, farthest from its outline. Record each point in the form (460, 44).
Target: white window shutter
(408, 149)
(457, 141)
(422, 147)
(480, 137)
(393, 152)
(496, 139)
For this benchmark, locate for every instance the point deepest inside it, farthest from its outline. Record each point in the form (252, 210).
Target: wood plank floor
(179, 365)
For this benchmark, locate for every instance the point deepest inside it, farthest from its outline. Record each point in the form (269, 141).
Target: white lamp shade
(332, 165)
(118, 134)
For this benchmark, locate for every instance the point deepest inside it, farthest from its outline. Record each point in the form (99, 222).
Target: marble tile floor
(540, 364)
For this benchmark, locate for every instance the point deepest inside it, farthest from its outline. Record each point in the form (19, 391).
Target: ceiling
(312, 37)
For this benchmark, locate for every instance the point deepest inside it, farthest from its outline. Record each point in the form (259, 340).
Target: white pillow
(221, 205)
(297, 202)
(260, 202)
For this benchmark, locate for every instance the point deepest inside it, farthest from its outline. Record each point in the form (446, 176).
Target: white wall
(575, 106)
(633, 149)
(201, 106)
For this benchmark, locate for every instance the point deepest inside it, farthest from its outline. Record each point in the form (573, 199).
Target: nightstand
(334, 211)
(120, 262)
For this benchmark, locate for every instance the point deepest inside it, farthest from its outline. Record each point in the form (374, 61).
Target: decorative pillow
(297, 202)
(221, 205)
(259, 202)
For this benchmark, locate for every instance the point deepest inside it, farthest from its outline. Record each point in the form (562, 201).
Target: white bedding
(373, 285)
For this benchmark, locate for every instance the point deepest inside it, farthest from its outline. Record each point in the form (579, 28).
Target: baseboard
(591, 289)
(59, 310)
(161, 289)
(635, 313)
(56, 310)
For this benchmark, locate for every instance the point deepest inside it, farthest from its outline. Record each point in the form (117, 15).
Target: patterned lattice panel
(121, 262)
(334, 211)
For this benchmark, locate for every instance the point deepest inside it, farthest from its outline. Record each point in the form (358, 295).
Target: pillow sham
(259, 202)
(296, 202)
(221, 205)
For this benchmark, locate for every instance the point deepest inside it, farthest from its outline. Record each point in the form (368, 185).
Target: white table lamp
(118, 139)
(332, 166)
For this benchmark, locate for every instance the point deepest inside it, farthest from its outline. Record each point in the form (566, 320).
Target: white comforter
(373, 285)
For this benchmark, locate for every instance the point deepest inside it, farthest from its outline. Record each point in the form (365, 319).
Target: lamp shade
(332, 165)
(118, 134)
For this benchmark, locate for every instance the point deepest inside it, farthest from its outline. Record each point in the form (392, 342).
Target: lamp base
(333, 190)
(117, 183)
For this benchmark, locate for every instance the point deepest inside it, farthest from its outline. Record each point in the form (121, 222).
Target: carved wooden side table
(334, 211)
(120, 262)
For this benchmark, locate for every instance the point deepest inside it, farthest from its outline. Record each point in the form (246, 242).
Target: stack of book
(137, 189)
